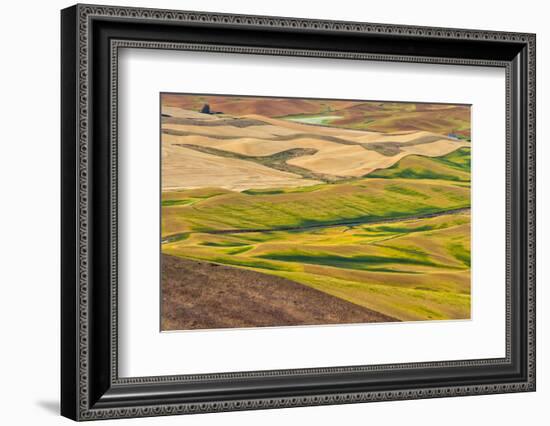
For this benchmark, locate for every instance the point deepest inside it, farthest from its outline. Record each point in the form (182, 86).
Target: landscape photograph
(296, 211)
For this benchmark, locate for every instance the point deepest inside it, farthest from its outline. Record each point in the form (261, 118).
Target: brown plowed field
(203, 295)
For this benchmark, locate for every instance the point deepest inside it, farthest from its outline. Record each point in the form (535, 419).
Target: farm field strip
(362, 264)
(329, 204)
(332, 225)
(325, 156)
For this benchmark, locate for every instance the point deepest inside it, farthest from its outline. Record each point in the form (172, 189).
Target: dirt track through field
(203, 295)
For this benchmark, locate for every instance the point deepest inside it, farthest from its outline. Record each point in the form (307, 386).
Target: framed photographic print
(263, 212)
(294, 211)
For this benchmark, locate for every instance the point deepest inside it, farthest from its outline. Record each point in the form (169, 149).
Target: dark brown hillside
(203, 295)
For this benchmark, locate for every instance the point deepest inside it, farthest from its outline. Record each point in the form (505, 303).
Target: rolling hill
(379, 116)
(255, 151)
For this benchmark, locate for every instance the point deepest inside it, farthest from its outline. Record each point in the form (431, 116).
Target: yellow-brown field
(222, 142)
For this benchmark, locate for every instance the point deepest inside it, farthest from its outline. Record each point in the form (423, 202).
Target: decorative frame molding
(91, 388)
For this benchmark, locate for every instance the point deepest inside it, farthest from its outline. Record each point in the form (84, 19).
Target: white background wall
(29, 225)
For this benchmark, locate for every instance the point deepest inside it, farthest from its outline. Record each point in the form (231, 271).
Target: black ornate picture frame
(91, 38)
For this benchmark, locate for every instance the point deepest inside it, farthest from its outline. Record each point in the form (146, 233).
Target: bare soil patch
(203, 295)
